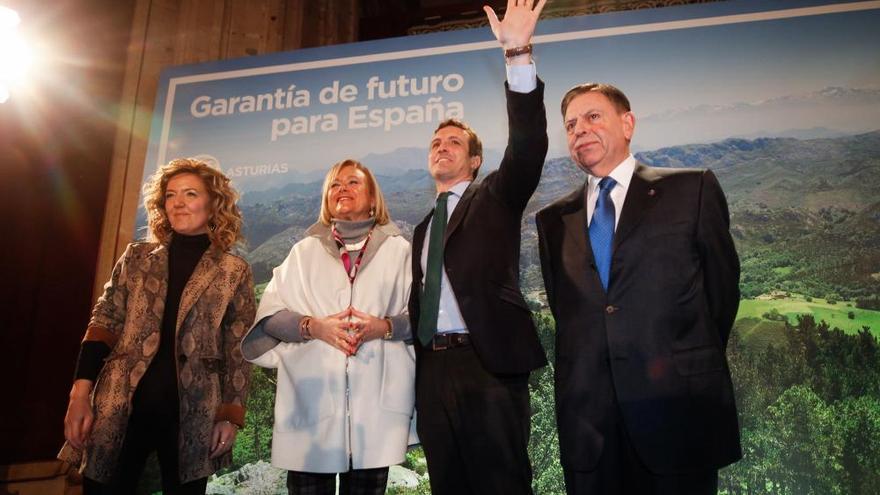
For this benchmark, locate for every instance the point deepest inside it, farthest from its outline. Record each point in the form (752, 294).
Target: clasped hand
(348, 329)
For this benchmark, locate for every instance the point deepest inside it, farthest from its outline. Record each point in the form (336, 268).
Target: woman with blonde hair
(333, 322)
(160, 367)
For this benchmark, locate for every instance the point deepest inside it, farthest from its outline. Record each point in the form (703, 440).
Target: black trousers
(621, 472)
(353, 482)
(147, 433)
(473, 425)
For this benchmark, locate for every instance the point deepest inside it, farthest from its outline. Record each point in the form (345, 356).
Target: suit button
(182, 358)
(610, 309)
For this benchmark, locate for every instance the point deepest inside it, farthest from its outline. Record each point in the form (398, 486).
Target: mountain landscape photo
(804, 352)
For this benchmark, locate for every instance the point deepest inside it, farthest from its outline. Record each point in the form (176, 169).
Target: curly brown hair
(224, 221)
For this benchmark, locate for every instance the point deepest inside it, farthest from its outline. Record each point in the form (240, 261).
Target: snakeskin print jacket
(216, 310)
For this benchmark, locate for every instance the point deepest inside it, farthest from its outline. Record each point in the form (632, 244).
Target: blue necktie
(430, 300)
(602, 230)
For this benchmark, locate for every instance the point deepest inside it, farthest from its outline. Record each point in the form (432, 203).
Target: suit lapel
(205, 272)
(640, 197)
(460, 210)
(417, 244)
(577, 253)
(156, 283)
(454, 222)
(421, 230)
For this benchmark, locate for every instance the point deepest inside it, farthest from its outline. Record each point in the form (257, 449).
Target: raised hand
(519, 22)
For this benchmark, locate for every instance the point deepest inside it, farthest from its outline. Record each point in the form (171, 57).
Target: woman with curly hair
(160, 367)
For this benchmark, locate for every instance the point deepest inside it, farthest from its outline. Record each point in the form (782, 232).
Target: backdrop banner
(780, 98)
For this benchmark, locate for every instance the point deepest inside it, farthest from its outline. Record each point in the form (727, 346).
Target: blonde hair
(379, 210)
(224, 220)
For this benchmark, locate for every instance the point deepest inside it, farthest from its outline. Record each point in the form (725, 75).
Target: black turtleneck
(157, 390)
(159, 383)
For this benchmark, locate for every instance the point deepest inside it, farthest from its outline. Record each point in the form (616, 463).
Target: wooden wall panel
(294, 15)
(329, 23)
(152, 47)
(254, 27)
(199, 31)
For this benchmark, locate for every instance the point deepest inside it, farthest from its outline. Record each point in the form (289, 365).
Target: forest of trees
(809, 409)
(809, 413)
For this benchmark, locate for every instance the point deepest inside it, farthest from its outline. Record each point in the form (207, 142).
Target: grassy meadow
(835, 313)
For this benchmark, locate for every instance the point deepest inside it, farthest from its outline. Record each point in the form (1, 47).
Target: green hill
(804, 213)
(751, 317)
(758, 333)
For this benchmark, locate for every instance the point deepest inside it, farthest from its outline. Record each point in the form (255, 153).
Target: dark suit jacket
(481, 254)
(655, 342)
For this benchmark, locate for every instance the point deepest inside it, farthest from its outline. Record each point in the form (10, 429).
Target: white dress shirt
(622, 174)
(449, 319)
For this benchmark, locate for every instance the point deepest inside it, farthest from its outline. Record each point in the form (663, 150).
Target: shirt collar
(458, 189)
(622, 174)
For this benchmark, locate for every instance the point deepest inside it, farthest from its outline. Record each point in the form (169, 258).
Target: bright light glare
(15, 58)
(15, 55)
(8, 18)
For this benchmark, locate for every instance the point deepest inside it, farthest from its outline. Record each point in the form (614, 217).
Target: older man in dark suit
(476, 340)
(642, 278)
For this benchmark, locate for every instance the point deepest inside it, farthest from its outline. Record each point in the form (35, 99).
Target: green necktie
(429, 305)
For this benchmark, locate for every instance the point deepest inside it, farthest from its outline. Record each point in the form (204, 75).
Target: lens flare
(15, 54)
(8, 18)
